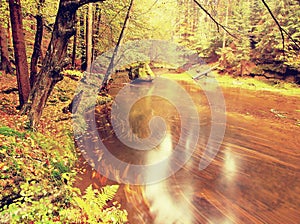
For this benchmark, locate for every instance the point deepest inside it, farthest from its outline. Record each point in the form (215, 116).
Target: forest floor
(278, 104)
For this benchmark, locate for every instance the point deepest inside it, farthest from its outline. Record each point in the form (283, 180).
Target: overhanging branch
(83, 2)
(213, 19)
(282, 30)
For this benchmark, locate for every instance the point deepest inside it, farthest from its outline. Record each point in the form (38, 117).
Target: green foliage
(6, 131)
(28, 161)
(36, 183)
(4, 13)
(239, 49)
(73, 74)
(283, 88)
(93, 207)
(269, 47)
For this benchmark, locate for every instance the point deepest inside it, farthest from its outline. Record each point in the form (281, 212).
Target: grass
(6, 131)
(289, 89)
(179, 77)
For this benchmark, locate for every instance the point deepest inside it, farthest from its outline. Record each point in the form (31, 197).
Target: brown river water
(254, 177)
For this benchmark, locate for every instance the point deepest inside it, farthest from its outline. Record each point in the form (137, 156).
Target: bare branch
(83, 2)
(112, 20)
(212, 18)
(112, 61)
(282, 30)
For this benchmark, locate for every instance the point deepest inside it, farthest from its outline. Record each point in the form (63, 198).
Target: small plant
(92, 207)
(36, 183)
(6, 131)
(73, 74)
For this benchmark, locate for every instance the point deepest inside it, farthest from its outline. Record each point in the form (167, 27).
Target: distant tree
(19, 50)
(89, 37)
(4, 55)
(37, 49)
(74, 48)
(82, 40)
(5, 64)
(96, 28)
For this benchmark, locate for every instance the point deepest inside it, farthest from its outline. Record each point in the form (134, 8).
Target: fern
(6, 131)
(107, 194)
(93, 206)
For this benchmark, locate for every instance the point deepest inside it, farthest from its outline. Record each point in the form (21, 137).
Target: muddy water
(254, 178)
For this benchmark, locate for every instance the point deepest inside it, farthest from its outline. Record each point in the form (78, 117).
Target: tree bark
(9, 38)
(97, 25)
(82, 40)
(74, 46)
(37, 51)
(19, 50)
(5, 62)
(54, 61)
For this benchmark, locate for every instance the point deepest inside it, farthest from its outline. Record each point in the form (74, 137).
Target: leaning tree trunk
(112, 60)
(19, 50)
(54, 59)
(5, 62)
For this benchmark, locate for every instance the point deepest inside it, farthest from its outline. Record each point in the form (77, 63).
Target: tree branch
(212, 18)
(110, 22)
(111, 64)
(282, 31)
(83, 2)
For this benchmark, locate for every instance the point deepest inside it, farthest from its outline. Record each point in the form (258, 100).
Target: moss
(6, 131)
(254, 84)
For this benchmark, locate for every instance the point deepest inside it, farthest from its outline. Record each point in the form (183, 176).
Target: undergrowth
(36, 183)
(38, 168)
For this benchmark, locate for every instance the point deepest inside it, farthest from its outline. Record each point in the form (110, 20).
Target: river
(254, 177)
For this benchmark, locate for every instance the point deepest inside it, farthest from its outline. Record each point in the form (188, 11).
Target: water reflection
(255, 177)
(229, 166)
(167, 207)
(163, 151)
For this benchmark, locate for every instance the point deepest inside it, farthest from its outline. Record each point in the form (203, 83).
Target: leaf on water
(278, 113)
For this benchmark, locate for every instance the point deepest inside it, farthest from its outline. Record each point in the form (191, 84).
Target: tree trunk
(97, 25)
(226, 24)
(19, 50)
(5, 62)
(89, 37)
(111, 64)
(9, 38)
(54, 61)
(74, 46)
(82, 40)
(37, 51)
